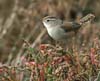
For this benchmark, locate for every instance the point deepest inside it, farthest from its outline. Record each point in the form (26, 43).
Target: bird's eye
(48, 20)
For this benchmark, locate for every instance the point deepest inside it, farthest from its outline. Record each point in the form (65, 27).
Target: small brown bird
(60, 30)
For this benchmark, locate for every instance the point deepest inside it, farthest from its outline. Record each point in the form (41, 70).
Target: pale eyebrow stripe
(50, 17)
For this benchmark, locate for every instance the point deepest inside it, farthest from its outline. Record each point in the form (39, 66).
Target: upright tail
(87, 18)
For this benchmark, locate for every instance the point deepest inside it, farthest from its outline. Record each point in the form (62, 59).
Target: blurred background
(21, 20)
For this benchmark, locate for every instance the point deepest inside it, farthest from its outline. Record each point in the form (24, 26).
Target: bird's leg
(57, 44)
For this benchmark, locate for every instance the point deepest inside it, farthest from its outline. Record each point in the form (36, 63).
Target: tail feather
(87, 18)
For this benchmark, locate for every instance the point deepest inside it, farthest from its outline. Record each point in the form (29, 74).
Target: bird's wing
(70, 26)
(74, 26)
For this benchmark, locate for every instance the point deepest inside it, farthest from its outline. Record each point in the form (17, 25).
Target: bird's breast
(56, 33)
